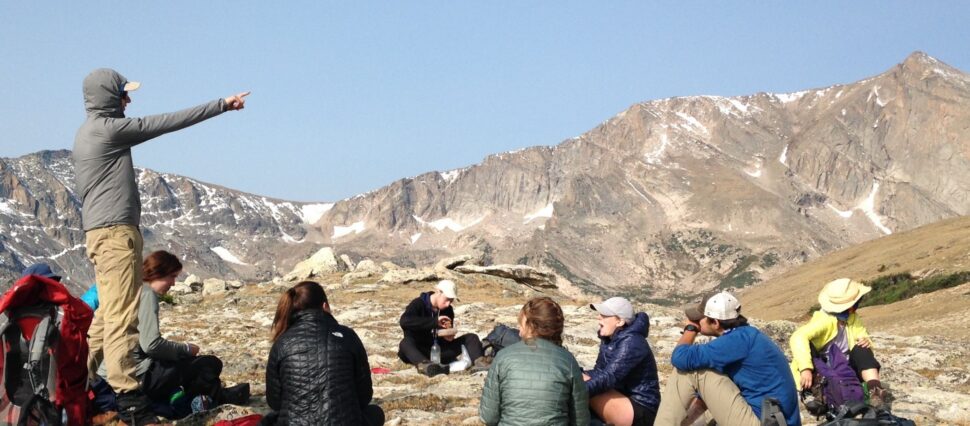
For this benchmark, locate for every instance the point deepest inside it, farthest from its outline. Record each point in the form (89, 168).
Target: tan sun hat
(839, 295)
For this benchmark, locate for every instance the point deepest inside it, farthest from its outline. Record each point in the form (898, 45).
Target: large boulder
(368, 265)
(350, 277)
(194, 282)
(324, 261)
(451, 262)
(407, 275)
(213, 286)
(520, 273)
(348, 262)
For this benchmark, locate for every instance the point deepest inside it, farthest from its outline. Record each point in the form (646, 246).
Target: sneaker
(431, 369)
(135, 409)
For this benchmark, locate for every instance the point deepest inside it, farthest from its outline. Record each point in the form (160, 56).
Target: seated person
(317, 371)
(423, 321)
(535, 381)
(837, 323)
(733, 373)
(623, 387)
(165, 368)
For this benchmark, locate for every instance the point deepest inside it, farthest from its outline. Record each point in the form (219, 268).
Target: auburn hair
(159, 264)
(544, 316)
(305, 295)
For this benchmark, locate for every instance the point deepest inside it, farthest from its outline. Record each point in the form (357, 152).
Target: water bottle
(435, 352)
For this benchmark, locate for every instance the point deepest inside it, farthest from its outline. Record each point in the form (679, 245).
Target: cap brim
(132, 86)
(602, 310)
(694, 314)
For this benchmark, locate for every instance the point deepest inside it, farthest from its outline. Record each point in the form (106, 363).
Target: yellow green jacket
(818, 332)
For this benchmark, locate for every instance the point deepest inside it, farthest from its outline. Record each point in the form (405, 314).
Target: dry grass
(943, 247)
(426, 402)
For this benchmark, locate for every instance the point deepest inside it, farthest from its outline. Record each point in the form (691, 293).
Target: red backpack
(43, 368)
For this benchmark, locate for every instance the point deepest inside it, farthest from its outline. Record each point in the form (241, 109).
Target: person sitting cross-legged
(317, 373)
(535, 381)
(427, 320)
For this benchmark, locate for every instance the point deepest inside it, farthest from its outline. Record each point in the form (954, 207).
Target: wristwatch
(691, 327)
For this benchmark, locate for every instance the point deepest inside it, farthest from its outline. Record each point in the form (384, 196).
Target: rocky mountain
(668, 198)
(679, 195)
(216, 231)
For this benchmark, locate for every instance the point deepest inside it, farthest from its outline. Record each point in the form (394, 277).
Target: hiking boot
(235, 395)
(878, 397)
(481, 364)
(431, 369)
(135, 409)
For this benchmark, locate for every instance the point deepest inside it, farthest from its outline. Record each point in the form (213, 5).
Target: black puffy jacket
(318, 373)
(626, 363)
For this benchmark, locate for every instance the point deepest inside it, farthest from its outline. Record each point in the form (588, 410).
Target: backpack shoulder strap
(771, 414)
(38, 350)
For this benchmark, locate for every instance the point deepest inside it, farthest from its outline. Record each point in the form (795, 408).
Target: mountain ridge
(665, 199)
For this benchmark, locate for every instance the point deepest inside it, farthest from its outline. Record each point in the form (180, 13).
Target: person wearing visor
(428, 319)
(110, 213)
(837, 323)
(623, 386)
(733, 374)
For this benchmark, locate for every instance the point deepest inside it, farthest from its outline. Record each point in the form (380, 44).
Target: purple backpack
(839, 383)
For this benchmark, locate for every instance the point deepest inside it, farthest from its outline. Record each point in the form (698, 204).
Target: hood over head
(102, 92)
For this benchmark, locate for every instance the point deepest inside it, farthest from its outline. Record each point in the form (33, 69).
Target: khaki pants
(113, 336)
(722, 396)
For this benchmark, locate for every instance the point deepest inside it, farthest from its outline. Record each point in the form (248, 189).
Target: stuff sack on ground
(500, 337)
(838, 382)
(860, 414)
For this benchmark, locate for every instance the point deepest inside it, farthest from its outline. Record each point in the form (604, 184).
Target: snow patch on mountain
(340, 231)
(451, 175)
(655, 156)
(868, 206)
(226, 255)
(545, 212)
(448, 223)
(311, 213)
(783, 159)
(415, 237)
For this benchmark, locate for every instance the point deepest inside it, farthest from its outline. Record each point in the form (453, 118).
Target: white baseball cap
(615, 307)
(448, 288)
(722, 306)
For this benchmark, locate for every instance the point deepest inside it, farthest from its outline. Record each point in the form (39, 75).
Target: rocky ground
(929, 378)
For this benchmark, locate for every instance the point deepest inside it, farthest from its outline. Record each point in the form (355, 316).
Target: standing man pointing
(110, 213)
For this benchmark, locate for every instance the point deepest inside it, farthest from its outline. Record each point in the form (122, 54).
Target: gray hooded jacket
(105, 177)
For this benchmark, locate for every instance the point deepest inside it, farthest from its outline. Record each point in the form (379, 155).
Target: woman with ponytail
(536, 381)
(317, 371)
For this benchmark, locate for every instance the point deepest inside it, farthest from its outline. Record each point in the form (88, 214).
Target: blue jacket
(91, 297)
(626, 364)
(752, 361)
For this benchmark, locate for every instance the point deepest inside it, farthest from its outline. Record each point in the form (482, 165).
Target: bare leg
(613, 407)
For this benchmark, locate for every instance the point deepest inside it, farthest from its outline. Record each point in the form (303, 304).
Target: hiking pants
(862, 359)
(413, 353)
(722, 396)
(113, 336)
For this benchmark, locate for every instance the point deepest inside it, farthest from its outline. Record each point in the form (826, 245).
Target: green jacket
(534, 382)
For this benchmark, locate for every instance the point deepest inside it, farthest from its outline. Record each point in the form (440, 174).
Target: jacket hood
(102, 93)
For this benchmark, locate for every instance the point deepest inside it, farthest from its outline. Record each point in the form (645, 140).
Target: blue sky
(350, 96)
